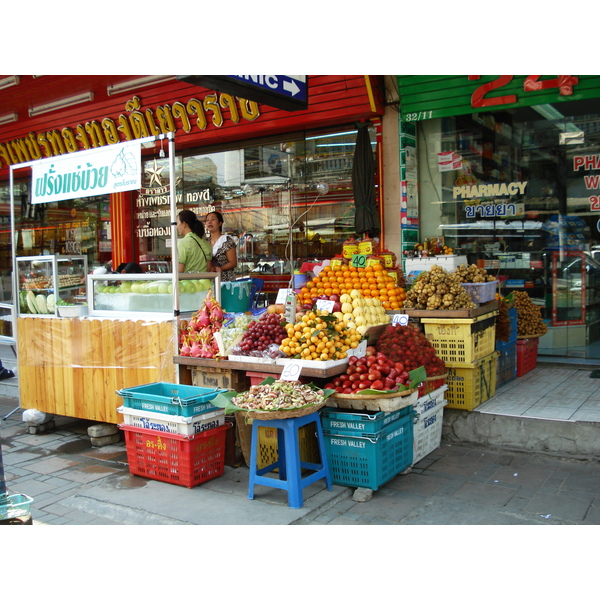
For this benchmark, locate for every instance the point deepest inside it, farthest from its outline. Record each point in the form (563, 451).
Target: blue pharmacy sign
(287, 92)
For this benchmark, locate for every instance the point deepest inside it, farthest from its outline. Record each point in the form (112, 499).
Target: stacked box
(527, 352)
(507, 364)
(512, 338)
(469, 385)
(173, 458)
(369, 460)
(462, 340)
(427, 430)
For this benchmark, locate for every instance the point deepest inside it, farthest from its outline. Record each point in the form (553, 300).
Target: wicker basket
(372, 402)
(290, 413)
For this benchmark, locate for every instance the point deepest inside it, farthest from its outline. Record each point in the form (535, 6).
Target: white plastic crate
(431, 400)
(449, 262)
(145, 419)
(427, 432)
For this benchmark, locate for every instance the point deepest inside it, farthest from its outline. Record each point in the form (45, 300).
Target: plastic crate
(170, 398)
(268, 448)
(427, 433)
(172, 423)
(173, 458)
(481, 292)
(507, 364)
(369, 461)
(527, 352)
(462, 340)
(431, 400)
(355, 423)
(512, 338)
(469, 385)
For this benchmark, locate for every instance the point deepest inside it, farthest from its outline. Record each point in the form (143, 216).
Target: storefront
(281, 179)
(505, 170)
(283, 182)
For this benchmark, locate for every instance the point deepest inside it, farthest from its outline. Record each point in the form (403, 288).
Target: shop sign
(589, 162)
(432, 96)
(101, 171)
(287, 92)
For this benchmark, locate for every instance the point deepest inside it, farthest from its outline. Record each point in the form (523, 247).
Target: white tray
(145, 419)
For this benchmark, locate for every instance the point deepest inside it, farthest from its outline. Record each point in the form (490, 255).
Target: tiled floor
(549, 392)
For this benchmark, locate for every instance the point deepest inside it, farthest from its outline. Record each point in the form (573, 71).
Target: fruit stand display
(530, 327)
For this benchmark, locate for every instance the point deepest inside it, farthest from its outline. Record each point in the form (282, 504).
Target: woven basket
(372, 396)
(533, 335)
(291, 413)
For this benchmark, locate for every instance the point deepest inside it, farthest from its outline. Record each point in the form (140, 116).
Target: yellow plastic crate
(469, 385)
(307, 443)
(462, 340)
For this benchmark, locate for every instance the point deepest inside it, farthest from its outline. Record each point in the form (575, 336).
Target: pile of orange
(372, 282)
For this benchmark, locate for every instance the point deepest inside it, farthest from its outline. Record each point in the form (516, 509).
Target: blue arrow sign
(290, 86)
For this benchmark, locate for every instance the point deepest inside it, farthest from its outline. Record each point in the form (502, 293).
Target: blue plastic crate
(170, 398)
(507, 364)
(370, 460)
(512, 339)
(356, 422)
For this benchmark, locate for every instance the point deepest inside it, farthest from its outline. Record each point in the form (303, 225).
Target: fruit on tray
(279, 395)
(529, 316)
(332, 282)
(196, 337)
(259, 335)
(374, 371)
(319, 336)
(410, 346)
(437, 289)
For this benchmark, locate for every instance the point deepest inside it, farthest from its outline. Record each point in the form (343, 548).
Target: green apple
(190, 287)
(163, 287)
(181, 287)
(136, 287)
(126, 287)
(100, 289)
(206, 284)
(170, 288)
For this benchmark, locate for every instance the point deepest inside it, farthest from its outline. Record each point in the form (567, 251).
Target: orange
(310, 285)
(394, 305)
(378, 267)
(386, 305)
(304, 291)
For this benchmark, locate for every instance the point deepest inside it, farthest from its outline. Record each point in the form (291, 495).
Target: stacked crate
(367, 448)
(467, 347)
(507, 352)
(173, 433)
(427, 430)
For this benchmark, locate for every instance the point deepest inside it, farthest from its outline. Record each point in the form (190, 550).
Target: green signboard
(433, 96)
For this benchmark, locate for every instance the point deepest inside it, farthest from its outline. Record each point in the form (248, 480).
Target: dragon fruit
(196, 337)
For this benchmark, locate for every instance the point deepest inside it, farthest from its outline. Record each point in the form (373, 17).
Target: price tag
(291, 372)
(359, 260)
(282, 295)
(400, 320)
(325, 305)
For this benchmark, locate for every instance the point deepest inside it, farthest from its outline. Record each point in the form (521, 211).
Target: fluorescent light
(9, 82)
(58, 104)
(549, 112)
(133, 84)
(10, 118)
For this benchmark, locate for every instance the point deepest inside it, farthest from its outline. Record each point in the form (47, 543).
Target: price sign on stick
(325, 305)
(400, 320)
(359, 260)
(290, 372)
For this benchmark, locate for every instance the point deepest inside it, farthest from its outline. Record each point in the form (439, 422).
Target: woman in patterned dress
(224, 247)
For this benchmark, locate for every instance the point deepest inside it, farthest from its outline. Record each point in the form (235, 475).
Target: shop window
(286, 202)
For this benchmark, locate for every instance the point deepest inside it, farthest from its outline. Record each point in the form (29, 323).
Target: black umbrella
(363, 184)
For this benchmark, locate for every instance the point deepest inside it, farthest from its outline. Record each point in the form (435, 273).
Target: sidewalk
(73, 483)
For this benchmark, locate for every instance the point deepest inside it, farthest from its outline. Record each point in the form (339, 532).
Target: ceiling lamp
(58, 104)
(134, 84)
(9, 82)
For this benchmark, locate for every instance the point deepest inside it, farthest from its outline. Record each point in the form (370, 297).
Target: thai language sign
(106, 170)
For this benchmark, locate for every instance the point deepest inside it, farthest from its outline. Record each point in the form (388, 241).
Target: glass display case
(49, 281)
(150, 295)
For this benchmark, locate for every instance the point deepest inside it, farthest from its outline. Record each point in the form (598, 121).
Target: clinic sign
(106, 170)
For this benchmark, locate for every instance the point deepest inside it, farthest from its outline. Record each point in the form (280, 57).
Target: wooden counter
(73, 367)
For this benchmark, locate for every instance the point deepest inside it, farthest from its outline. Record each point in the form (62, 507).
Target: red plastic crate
(527, 351)
(173, 458)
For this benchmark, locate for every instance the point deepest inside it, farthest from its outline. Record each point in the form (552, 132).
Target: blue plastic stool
(288, 459)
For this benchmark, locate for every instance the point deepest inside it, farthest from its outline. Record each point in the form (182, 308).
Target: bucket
(235, 295)
(300, 280)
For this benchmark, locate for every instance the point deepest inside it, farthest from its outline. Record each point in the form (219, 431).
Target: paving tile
(51, 465)
(484, 493)
(417, 484)
(582, 482)
(524, 476)
(591, 415)
(559, 506)
(592, 516)
(91, 473)
(549, 412)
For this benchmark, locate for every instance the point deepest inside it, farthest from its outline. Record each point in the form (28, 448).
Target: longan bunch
(437, 289)
(473, 274)
(529, 316)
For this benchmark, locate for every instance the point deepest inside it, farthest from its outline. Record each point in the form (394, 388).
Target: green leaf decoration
(417, 376)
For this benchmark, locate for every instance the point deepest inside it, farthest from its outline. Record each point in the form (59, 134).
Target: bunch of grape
(269, 329)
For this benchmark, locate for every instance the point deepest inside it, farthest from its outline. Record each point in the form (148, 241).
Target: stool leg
(253, 456)
(292, 453)
(324, 463)
(281, 453)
